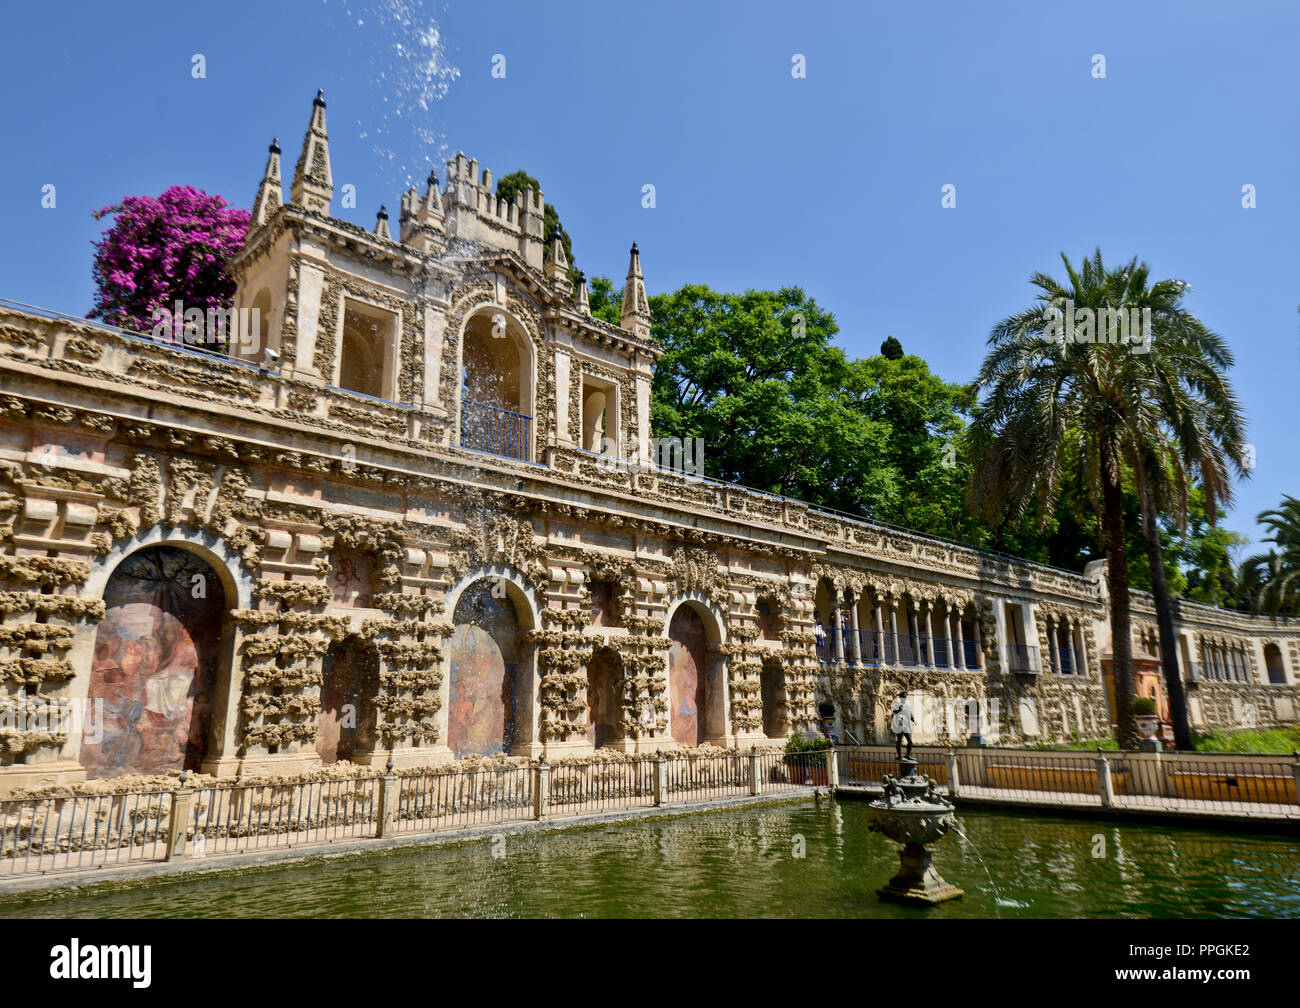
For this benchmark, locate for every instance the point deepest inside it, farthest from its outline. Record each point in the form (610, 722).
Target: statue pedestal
(917, 882)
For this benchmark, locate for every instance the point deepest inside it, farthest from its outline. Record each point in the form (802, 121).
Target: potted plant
(1144, 709)
(806, 758)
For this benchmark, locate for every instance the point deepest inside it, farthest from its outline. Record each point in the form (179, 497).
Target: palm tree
(1066, 379)
(1271, 581)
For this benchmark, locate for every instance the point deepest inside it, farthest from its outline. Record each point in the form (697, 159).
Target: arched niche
(159, 679)
(697, 687)
(345, 726)
(236, 585)
(772, 693)
(604, 698)
(491, 701)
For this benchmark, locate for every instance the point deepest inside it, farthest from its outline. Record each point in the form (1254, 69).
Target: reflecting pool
(813, 859)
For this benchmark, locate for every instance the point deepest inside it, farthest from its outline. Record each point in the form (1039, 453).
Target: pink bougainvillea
(162, 250)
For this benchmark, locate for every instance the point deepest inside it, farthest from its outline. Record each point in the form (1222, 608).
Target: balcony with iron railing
(1066, 661)
(495, 431)
(1199, 672)
(877, 647)
(1022, 659)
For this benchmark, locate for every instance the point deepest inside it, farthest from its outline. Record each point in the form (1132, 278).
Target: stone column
(837, 636)
(878, 621)
(855, 642)
(954, 618)
(929, 633)
(893, 625)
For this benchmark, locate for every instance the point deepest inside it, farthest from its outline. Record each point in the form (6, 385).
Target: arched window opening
(1273, 662)
(599, 415)
(496, 387)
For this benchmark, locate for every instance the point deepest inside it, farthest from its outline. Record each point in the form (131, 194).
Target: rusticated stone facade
(374, 565)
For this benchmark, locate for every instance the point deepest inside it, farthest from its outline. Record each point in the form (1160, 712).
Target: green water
(742, 863)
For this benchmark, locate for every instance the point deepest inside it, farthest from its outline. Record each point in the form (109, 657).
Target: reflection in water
(740, 864)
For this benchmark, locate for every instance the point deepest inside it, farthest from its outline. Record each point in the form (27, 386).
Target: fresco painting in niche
(483, 705)
(345, 724)
(603, 707)
(349, 578)
(686, 677)
(155, 664)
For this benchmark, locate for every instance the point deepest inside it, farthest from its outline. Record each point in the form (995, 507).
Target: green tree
(891, 349)
(1272, 580)
(918, 480)
(516, 182)
(755, 375)
(607, 300)
(1056, 398)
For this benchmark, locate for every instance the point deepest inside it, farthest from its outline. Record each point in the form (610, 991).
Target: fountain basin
(913, 814)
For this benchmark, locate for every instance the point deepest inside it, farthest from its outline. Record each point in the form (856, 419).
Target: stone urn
(912, 813)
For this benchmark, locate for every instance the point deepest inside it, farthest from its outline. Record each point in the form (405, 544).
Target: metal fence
(494, 430)
(866, 766)
(599, 787)
(1182, 783)
(85, 831)
(43, 835)
(438, 801)
(704, 778)
(258, 817)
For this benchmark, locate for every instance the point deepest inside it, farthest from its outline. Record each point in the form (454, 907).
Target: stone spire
(313, 186)
(636, 308)
(557, 270)
(269, 194)
(381, 223)
(422, 219)
(584, 297)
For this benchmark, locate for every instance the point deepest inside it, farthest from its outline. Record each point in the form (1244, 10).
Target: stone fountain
(912, 813)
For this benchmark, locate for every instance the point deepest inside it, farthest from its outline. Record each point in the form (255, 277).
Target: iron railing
(256, 817)
(1067, 662)
(1022, 659)
(598, 787)
(434, 801)
(39, 835)
(876, 647)
(495, 431)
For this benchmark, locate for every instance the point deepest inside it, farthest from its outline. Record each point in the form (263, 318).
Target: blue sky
(831, 182)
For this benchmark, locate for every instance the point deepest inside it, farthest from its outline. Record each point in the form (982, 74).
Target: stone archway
(161, 665)
(489, 706)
